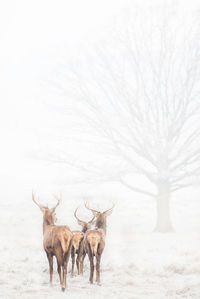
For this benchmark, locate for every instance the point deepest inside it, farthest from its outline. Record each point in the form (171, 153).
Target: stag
(94, 241)
(57, 241)
(77, 244)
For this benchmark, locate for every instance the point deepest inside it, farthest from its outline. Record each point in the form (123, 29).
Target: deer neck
(46, 223)
(84, 229)
(101, 226)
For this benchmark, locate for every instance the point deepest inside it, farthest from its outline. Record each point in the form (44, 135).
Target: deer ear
(108, 213)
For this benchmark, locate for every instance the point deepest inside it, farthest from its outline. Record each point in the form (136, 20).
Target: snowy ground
(136, 263)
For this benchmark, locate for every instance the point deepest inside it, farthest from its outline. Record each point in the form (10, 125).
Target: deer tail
(93, 244)
(66, 243)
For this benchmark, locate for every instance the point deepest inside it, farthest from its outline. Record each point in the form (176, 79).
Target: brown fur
(77, 247)
(77, 239)
(94, 241)
(93, 238)
(94, 245)
(57, 241)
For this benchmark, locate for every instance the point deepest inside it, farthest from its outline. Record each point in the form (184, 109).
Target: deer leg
(91, 269)
(66, 260)
(50, 259)
(98, 260)
(81, 256)
(82, 262)
(90, 255)
(59, 259)
(73, 260)
(59, 271)
(78, 263)
(64, 277)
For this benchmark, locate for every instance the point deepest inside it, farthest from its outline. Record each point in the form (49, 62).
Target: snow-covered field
(135, 264)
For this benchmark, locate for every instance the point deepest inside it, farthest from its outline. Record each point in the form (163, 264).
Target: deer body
(94, 241)
(57, 241)
(78, 237)
(77, 245)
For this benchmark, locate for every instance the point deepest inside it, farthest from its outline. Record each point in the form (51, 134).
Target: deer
(94, 241)
(57, 241)
(77, 244)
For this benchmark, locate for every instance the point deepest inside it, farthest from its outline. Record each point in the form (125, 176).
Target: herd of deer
(61, 242)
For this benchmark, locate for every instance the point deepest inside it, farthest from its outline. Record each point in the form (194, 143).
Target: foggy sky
(35, 35)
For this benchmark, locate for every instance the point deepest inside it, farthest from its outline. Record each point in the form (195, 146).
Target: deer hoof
(63, 289)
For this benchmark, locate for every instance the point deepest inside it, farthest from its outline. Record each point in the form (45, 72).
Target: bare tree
(137, 101)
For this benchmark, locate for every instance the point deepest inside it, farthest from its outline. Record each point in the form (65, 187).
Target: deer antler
(59, 201)
(91, 220)
(37, 203)
(93, 211)
(81, 222)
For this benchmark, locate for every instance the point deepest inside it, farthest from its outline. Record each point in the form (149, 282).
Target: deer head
(85, 225)
(100, 216)
(49, 215)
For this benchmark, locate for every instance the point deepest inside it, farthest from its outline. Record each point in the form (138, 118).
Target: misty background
(38, 42)
(57, 59)
(35, 37)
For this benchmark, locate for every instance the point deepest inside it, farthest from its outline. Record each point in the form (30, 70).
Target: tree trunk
(163, 223)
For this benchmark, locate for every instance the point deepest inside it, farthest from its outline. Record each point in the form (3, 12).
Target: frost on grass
(135, 264)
